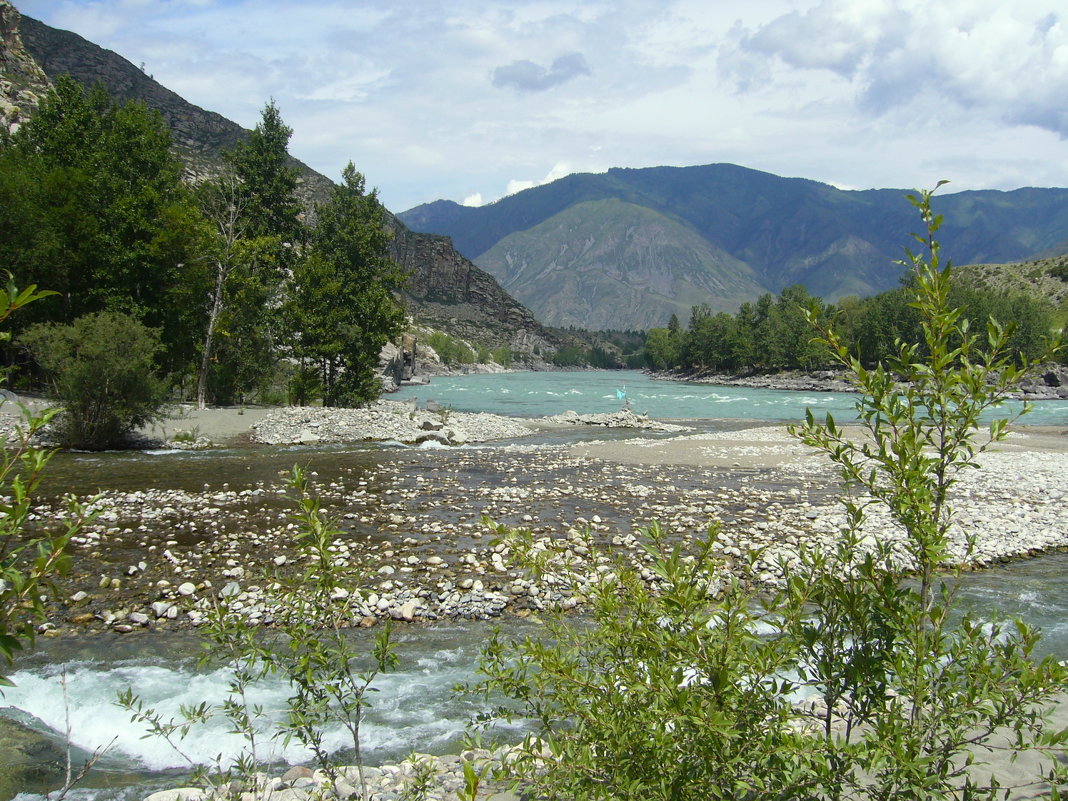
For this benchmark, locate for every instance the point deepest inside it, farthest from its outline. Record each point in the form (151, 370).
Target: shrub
(102, 369)
(664, 695)
(670, 693)
(330, 678)
(503, 356)
(451, 351)
(28, 564)
(910, 695)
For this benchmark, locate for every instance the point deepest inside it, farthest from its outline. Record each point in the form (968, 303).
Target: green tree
(569, 356)
(915, 695)
(102, 369)
(342, 308)
(258, 244)
(503, 356)
(268, 179)
(709, 340)
(799, 350)
(223, 205)
(661, 349)
(95, 207)
(742, 341)
(451, 351)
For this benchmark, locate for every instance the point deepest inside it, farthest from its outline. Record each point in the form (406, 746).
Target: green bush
(662, 695)
(671, 692)
(28, 564)
(503, 356)
(330, 678)
(102, 370)
(451, 351)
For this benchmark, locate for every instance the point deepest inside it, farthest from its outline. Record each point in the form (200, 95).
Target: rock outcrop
(446, 290)
(22, 81)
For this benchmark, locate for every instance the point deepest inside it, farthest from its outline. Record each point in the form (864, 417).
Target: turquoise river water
(415, 708)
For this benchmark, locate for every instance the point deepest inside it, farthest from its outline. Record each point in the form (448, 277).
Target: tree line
(241, 291)
(773, 333)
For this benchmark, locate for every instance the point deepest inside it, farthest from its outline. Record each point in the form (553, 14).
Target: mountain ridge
(834, 242)
(591, 277)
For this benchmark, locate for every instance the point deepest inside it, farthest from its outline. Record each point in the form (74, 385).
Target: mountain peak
(767, 232)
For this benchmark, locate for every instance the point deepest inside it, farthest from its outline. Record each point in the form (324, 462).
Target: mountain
(1045, 280)
(766, 232)
(445, 289)
(601, 262)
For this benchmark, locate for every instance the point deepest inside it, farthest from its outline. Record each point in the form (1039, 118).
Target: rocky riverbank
(423, 776)
(1048, 383)
(415, 546)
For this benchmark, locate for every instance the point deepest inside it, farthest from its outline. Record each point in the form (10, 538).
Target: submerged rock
(29, 761)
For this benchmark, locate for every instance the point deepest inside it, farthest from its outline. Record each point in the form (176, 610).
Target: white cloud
(1007, 60)
(463, 99)
(559, 170)
(472, 200)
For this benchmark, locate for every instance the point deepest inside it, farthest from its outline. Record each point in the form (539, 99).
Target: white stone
(178, 794)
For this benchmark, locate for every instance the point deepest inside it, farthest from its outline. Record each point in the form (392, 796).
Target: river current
(415, 707)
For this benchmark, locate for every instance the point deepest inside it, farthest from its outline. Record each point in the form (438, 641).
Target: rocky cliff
(22, 81)
(445, 290)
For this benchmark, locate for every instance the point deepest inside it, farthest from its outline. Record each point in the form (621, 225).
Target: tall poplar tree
(259, 234)
(342, 310)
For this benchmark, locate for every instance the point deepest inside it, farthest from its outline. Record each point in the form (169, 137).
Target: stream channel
(415, 708)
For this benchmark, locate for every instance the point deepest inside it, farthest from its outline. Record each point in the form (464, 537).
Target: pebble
(438, 561)
(383, 420)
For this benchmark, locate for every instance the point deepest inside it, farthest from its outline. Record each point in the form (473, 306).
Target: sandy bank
(771, 446)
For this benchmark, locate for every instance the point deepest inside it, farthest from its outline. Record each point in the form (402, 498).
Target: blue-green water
(415, 708)
(526, 394)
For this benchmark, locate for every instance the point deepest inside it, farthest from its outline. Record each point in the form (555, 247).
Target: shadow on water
(234, 468)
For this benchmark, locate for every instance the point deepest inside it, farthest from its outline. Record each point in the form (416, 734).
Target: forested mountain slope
(444, 286)
(776, 231)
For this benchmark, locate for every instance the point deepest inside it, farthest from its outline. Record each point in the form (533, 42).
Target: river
(415, 707)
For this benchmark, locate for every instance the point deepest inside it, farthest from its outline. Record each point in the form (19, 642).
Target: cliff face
(445, 289)
(22, 81)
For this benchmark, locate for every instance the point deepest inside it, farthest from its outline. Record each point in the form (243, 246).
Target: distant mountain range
(627, 248)
(445, 290)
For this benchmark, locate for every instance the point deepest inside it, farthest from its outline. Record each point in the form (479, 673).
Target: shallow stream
(415, 708)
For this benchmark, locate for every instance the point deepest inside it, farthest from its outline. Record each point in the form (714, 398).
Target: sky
(472, 100)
